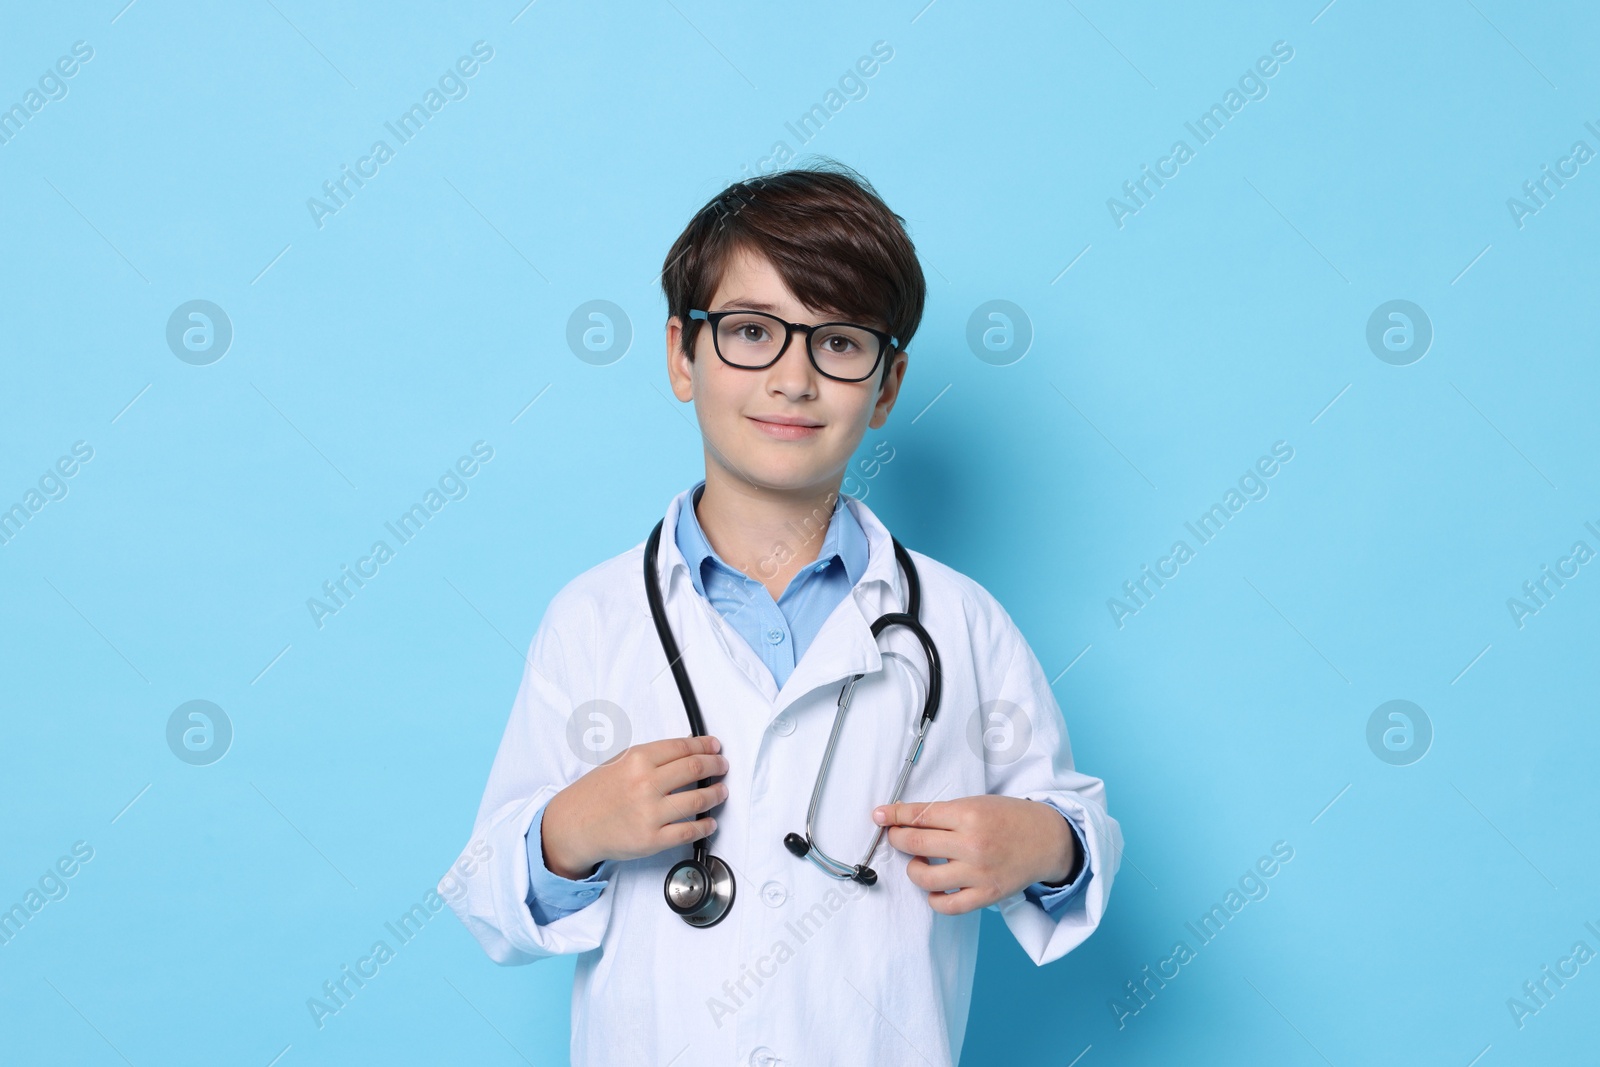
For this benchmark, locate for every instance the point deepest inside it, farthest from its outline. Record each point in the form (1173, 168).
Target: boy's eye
(746, 329)
(844, 342)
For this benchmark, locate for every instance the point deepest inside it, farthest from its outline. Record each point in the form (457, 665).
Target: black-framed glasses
(754, 340)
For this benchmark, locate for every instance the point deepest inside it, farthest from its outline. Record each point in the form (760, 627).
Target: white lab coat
(805, 968)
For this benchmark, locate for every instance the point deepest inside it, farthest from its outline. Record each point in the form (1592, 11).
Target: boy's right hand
(626, 808)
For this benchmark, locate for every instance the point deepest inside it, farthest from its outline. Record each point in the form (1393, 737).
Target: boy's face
(731, 402)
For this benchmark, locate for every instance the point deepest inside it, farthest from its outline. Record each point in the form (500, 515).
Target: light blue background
(1228, 314)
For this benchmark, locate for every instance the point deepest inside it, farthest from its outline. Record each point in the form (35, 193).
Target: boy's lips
(786, 427)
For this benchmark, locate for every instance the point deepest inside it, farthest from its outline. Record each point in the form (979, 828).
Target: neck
(768, 534)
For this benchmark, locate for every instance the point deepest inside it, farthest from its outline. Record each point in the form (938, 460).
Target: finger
(690, 768)
(939, 814)
(940, 844)
(668, 749)
(938, 877)
(690, 802)
(682, 833)
(969, 899)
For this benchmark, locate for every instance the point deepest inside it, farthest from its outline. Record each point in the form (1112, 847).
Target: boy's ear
(678, 365)
(889, 391)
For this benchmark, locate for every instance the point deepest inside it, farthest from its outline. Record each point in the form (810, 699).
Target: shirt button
(774, 894)
(762, 1056)
(783, 724)
(775, 636)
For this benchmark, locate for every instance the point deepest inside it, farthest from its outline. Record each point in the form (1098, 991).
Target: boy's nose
(793, 374)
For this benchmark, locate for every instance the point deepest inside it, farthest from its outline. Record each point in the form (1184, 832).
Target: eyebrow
(740, 303)
(748, 305)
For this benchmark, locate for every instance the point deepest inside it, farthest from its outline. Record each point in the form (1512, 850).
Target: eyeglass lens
(752, 339)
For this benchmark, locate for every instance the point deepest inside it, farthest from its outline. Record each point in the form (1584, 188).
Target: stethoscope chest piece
(700, 892)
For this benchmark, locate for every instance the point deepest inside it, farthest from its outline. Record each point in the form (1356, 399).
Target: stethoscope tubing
(808, 846)
(680, 673)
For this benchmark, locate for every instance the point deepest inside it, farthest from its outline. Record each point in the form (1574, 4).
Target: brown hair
(831, 238)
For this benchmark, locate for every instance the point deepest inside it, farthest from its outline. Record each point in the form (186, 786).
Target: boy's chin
(784, 477)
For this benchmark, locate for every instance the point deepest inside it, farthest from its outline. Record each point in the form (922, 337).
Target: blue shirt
(780, 632)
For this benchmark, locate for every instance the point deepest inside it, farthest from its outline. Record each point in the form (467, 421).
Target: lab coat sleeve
(1044, 771)
(533, 764)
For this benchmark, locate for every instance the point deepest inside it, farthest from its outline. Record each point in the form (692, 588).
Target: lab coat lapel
(684, 604)
(845, 645)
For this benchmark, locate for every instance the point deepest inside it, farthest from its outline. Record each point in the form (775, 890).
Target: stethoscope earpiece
(805, 850)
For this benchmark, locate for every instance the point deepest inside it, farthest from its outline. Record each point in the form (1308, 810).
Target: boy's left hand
(993, 845)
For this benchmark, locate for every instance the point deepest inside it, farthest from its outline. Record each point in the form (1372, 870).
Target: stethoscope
(701, 889)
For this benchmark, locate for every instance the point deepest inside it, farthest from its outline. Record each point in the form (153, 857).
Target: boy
(770, 582)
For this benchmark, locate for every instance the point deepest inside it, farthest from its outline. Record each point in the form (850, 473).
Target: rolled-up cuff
(550, 895)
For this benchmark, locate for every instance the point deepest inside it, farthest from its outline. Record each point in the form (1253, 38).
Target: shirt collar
(837, 652)
(845, 541)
